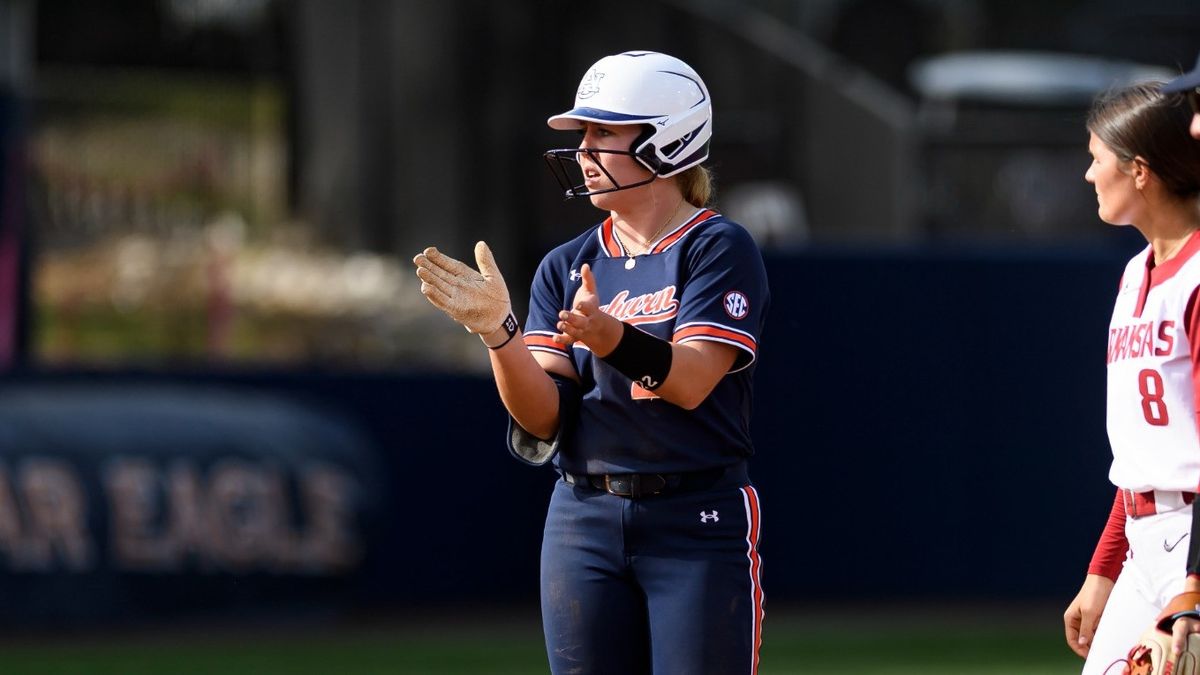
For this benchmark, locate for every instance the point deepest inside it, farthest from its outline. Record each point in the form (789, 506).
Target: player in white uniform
(1188, 84)
(1146, 172)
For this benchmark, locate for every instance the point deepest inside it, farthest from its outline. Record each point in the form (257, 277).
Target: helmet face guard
(564, 162)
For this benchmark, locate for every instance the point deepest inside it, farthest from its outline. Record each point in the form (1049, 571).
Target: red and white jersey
(1152, 374)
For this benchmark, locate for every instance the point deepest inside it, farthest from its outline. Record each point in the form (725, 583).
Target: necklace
(645, 245)
(1174, 250)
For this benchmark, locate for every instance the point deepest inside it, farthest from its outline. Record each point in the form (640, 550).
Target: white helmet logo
(652, 89)
(590, 86)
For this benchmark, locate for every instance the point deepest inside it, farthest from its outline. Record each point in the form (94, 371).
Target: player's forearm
(688, 372)
(525, 388)
(696, 368)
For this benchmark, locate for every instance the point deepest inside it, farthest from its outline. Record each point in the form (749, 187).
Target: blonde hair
(696, 185)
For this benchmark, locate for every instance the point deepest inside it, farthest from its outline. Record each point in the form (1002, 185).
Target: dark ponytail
(1141, 121)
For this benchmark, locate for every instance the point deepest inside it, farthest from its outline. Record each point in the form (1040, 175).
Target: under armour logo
(705, 517)
(575, 275)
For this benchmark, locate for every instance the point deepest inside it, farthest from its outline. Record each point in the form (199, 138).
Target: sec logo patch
(736, 305)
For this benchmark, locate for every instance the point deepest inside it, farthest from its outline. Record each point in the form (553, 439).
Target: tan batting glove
(477, 300)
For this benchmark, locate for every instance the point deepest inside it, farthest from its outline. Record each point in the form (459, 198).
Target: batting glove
(476, 299)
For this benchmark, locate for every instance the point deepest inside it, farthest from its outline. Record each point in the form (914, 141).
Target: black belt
(639, 485)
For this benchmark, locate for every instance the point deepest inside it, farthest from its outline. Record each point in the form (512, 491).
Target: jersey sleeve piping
(543, 341)
(713, 332)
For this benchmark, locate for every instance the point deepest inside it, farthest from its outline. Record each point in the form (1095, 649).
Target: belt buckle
(608, 486)
(638, 485)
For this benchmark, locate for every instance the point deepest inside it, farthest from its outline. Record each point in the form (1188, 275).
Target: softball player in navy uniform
(633, 376)
(1146, 172)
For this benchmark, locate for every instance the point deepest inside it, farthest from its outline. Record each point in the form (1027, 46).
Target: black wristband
(641, 357)
(1193, 559)
(510, 326)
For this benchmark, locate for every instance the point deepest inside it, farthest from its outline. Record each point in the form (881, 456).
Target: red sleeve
(1110, 552)
(1191, 327)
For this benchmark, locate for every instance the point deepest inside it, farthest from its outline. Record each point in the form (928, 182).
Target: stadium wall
(930, 425)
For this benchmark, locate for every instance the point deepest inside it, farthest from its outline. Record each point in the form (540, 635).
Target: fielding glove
(1152, 655)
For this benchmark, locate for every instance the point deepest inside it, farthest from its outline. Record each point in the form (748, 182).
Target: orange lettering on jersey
(646, 308)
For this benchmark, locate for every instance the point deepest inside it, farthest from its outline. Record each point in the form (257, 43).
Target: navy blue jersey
(704, 280)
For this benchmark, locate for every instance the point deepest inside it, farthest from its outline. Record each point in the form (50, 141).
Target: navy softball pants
(668, 584)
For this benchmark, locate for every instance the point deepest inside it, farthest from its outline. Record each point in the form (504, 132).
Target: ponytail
(696, 185)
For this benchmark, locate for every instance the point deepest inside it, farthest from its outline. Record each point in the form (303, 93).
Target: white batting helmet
(652, 89)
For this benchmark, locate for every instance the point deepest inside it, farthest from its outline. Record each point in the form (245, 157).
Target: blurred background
(222, 394)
